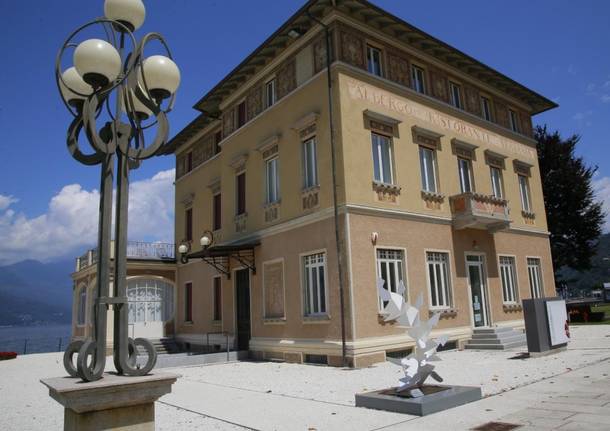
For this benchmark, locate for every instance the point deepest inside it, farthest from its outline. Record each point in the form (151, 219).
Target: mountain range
(36, 293)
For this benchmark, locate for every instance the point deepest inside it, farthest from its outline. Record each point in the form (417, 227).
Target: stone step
(506, 340)
(501, 336)
(494, 330)
(505, 346)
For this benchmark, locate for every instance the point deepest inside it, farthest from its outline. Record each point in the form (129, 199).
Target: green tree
(575, 218)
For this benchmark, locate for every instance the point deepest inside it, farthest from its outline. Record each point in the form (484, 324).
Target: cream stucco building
(437, 186)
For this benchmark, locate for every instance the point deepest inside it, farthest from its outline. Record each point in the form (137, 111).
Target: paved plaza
(566, 391)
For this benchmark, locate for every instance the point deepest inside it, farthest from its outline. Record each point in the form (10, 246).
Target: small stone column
(111, 403)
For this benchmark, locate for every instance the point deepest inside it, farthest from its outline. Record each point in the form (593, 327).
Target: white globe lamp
(97, 62)
(161, 76)
(71, 80)
(130, 13)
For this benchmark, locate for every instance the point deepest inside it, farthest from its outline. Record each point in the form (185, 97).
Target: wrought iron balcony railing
(135, 250)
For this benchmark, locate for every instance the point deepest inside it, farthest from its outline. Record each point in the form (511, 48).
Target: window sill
(445, 312)
(216, 322)
(188, 323)
(392, 189)
(274, 320)
(512, 307)
(315, 188)
(528, 214)
(317, 318)
(432, 196)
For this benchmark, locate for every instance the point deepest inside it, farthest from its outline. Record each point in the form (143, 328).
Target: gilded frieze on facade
(352, 49)
(273, 285)
(254, 102)
(286, 79)
(228, 120)
(472, 100)
(439, 85)
(398, 70)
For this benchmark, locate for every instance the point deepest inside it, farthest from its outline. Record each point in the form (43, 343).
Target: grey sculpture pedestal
(111, 403)
(437, 398)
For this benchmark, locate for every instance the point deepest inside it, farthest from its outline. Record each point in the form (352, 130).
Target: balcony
(135, 250)
(476, 211)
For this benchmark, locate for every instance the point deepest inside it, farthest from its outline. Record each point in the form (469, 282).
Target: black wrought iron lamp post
(134, 93)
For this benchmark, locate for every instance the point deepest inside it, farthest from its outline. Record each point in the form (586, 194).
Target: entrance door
(242, 299)
(478, 289)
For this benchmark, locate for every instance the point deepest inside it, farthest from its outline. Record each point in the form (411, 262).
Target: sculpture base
(435, 399)
(113, 402)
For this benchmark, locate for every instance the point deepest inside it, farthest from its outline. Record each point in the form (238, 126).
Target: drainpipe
(339, 248)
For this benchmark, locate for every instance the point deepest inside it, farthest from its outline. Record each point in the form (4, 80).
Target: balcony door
(477, 279)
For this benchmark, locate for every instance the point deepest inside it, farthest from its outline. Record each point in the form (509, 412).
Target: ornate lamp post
(134, 93)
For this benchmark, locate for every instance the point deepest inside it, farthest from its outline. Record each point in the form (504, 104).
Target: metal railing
(24, 346)
(135, 250)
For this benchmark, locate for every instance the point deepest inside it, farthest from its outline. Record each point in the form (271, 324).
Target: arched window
(150, 300)
(81, 312)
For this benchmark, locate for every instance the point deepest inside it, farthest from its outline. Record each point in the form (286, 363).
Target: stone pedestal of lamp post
(111, 403)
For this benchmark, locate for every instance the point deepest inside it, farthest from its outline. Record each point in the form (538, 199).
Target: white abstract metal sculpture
(416, 365)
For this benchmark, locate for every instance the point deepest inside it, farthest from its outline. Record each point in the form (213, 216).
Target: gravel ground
(25, 404)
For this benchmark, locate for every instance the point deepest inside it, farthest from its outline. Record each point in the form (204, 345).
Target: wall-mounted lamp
(206, 241)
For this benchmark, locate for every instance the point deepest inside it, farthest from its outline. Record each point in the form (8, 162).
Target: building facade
(437, 183)
(151, 293)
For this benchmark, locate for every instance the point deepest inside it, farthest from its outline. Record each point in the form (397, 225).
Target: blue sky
(557, 48)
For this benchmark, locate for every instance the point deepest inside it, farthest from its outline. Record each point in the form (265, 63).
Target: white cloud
(602, 191)
(70, 223)
(6, 201)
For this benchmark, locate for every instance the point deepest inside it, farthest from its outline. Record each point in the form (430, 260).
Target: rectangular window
(310, 164)
(217, 211)
(82, 306)
(188, 302)
(438, 279)
(509, 279)
(314, 280)
(188, 224)
(382, 159)
(241, 114)
(373, 57)
(465, 172)
(272, 180)
(390, 267)
(427, 161)
(240, 185)
(455, 93)
(486, 108)
(270, 93)
(535, 277)
(514, 120)
(496, 182)
(418, 79)
(217, 293)
(524, 190)
(189, 161)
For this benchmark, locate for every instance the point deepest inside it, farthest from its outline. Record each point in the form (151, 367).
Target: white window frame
(456, 99)
(535, 270)
(487, 113)
(307, 270)
(270, 93)
(508, 278)
(513, 120)
(524, 192)
(376, 149)
(497, 186)
(419, 85)
(272, 185)
(370, 50)
(81, 310)
(425, 175)
(466, 162)
(310, 173)
(379, 261)
(446, 285)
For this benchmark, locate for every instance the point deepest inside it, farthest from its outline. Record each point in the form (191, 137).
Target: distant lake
(40, 339)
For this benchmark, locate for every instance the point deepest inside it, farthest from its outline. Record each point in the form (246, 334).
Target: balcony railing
(477, 211)
(135, 250)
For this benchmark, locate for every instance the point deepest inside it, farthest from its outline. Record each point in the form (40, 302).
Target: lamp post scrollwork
(135, 93)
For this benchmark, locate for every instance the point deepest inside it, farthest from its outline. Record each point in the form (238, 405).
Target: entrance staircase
(496, 339)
